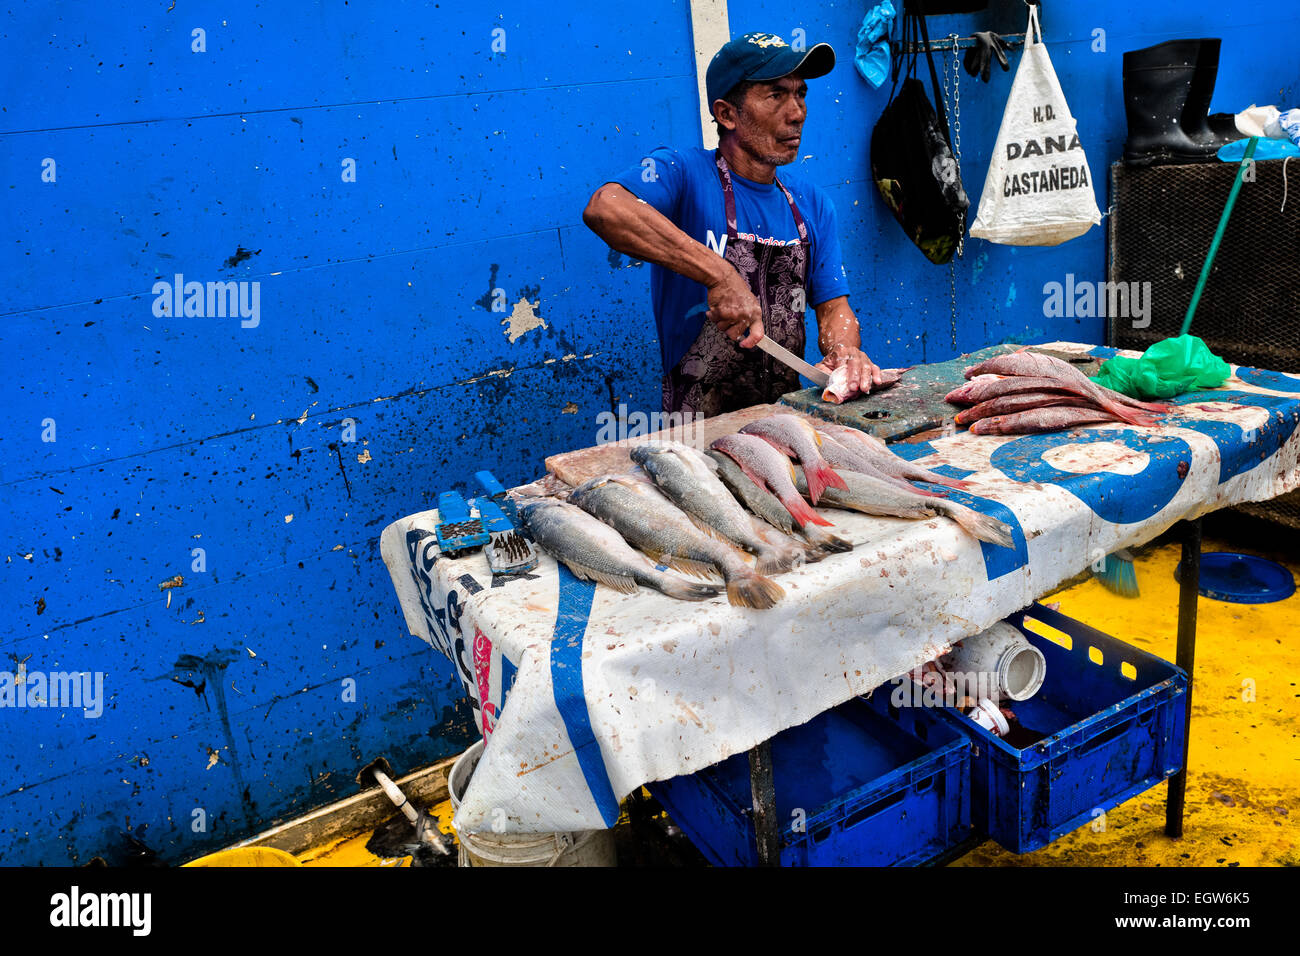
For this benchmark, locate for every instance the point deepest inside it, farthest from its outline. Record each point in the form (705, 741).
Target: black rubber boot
(1160, 89)
(1209, 131)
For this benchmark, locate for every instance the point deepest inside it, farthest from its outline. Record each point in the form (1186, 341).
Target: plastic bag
(872, 54)
(1168, 368)
(1038, 191)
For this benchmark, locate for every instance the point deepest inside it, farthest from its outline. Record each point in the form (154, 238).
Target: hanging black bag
(911, 155)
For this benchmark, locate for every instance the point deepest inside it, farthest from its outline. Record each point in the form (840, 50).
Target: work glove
(979, 58)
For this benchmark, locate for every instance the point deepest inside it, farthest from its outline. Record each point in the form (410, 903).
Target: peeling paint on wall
(523, 319)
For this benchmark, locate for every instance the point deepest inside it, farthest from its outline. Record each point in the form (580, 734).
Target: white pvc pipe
(396, 795)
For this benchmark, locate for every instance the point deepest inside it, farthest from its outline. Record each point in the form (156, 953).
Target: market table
(585, 694)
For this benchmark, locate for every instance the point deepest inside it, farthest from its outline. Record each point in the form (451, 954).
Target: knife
(781, 354)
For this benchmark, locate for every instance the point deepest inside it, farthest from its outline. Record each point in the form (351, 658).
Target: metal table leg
(766, 827)
(1187, 595)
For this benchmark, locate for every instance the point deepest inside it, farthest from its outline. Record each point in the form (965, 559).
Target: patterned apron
(716, 375)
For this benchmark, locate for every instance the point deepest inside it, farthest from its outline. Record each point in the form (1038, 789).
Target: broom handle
(1218, 235)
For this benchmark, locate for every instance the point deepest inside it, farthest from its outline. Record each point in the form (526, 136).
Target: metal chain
(953, 95)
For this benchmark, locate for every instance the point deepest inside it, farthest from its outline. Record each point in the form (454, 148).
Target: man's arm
(636, 228)
(840, 341)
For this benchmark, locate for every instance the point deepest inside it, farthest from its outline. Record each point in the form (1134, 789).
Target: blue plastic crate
(875, 789)
(1115, 728)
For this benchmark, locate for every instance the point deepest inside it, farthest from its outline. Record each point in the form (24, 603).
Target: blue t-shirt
(684, 186)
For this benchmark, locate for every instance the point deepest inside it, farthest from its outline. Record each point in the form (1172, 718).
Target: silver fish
(594, 552)
(686, 478)
(883, 458)
(646, 519)
(770, 510)
(845, 457)
(875, 497)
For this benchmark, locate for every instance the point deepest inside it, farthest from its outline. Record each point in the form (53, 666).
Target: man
(738, 253)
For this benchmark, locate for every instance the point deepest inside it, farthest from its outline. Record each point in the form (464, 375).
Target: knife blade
(778, 352)
(785, 356)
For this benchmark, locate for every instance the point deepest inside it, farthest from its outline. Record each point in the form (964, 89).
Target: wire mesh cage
(1162, 221)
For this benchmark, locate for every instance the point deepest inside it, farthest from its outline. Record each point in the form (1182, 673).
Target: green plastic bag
(1171, 367)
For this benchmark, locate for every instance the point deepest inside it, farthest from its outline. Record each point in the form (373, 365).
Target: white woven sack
(1039, 190)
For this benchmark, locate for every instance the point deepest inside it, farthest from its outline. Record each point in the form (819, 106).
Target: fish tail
(801, 512)
(982, 526)
(820, 477)
(824, 542)
(774, 560)
(749, 589)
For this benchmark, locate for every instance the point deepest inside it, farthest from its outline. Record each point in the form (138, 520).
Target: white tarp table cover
(610, 691)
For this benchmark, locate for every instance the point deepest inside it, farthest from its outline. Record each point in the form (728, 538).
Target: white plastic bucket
(582, 848)
(1015, 667)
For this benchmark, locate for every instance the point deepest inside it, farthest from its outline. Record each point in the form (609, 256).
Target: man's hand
(862, 372)
(735, 310)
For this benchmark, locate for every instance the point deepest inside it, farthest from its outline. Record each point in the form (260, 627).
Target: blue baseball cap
(757, 57)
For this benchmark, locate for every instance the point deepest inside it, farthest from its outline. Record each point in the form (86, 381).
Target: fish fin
(779, 446)
(696, 569)
(618, 582)
(802, 513)
(982, 526)
(753, 590)
(684, 590)
(774, 560)
(821, 476)
(824, 541)
(707, 528)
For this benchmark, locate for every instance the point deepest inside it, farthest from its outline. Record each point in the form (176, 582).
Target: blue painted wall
(226, 698)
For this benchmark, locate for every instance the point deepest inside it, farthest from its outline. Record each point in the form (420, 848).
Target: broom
(1117, 573)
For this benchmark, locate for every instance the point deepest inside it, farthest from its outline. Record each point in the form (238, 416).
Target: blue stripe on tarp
(566, 684)
(1241, 450)
(1116, 497)
(1275, 381)
(997, 559)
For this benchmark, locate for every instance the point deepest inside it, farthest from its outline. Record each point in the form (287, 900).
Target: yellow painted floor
(1243, 788)
(1243, 793)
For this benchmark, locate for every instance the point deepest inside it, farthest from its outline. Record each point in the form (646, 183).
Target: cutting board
(916, 403)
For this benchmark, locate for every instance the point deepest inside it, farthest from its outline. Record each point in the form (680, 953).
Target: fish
(769, 509)
(595, 552)
(843, 457)
(1023, 401)
(883, 458)
(647, 520)
(686, 477)
(1129, 400)
(874, 497)
(795, 438)
(837, 389)
(1035, 364)
(988, 387)
(1036, 420)
(770, 470)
